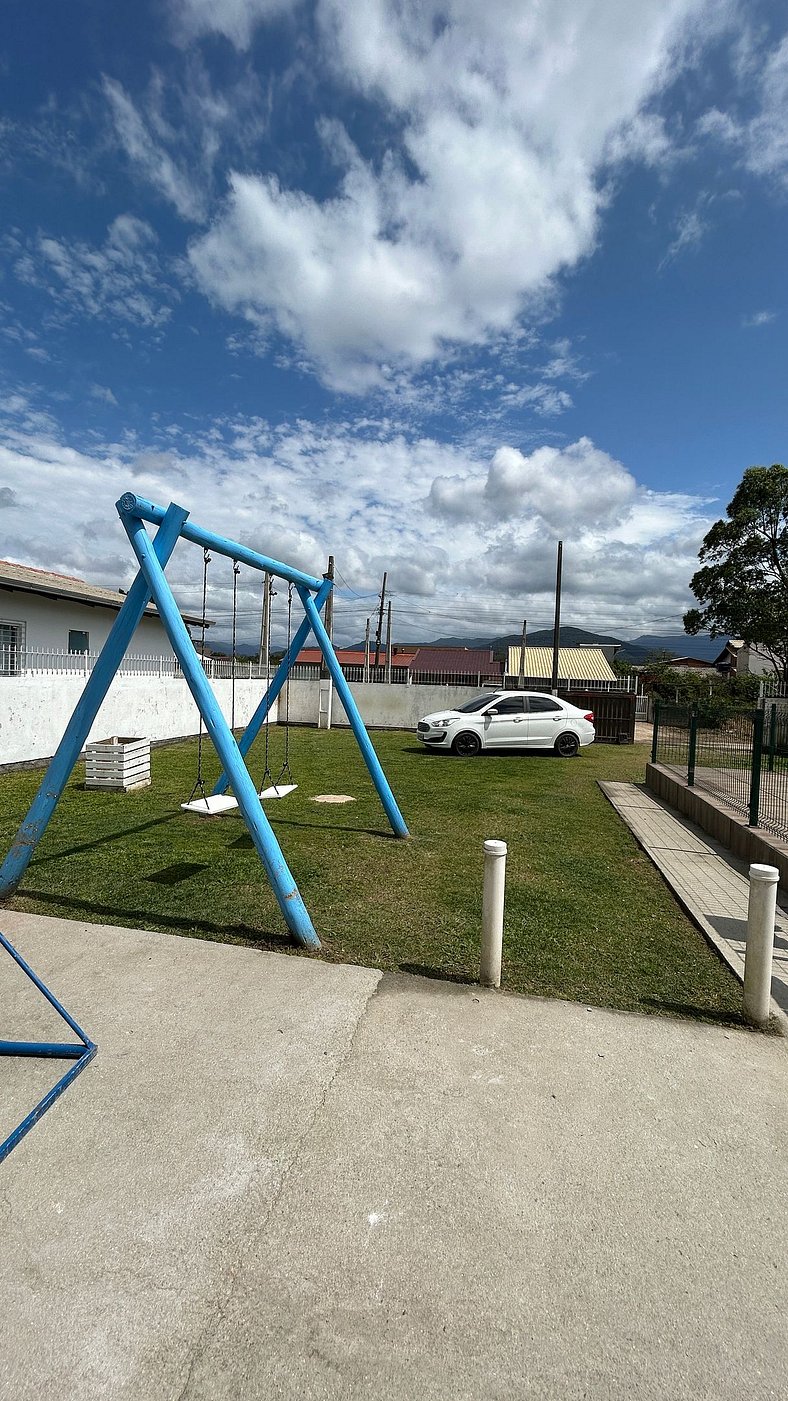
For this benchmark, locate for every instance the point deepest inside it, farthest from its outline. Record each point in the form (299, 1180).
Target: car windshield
(477, 703)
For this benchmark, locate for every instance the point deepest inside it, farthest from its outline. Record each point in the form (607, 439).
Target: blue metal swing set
(151, 583)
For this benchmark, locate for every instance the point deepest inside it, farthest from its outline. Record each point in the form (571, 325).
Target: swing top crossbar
(131, 505)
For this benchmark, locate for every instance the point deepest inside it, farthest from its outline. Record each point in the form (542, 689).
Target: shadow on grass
(691, 1009)
(488, 754)
(143, 919)
(179, 871)
(424, 970)
(102, 841)
(245, 842)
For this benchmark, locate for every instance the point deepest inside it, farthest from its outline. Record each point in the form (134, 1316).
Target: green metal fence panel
(738, 755)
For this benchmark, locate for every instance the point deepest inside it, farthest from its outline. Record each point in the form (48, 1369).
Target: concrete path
(707, 879)
(283, 1179)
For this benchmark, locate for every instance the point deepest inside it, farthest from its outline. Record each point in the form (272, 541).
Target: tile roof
(352, 656)
(460, 661)
(23, 578)
(574, 664)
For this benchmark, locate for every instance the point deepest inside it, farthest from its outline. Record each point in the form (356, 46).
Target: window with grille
(12, 641)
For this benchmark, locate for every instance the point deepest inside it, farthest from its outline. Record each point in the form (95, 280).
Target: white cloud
(103, 394)
(503, 119)
(122, 280)
(690, 228)
(183, 128)
(759, 137)
(147, 151)
(236, 19)
(468, 538)
(759, 318)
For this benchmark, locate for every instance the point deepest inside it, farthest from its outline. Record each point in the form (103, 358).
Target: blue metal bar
(351, 710)
(81, 1054)
(131, 505)
(49, 1098)
(269, 851)
(255, 724)
(78, 728)
(42, 988)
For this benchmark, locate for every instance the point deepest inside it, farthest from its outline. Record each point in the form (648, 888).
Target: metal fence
(17, 661)
(739, 756)
(20, 661)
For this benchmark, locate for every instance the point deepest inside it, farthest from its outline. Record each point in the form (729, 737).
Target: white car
(509, 720)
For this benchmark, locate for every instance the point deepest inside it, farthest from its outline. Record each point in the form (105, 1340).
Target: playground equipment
(151, 583)
(79, 1052)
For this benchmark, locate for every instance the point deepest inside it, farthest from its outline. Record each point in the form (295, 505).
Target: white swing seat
(277, 790)
(212, 806)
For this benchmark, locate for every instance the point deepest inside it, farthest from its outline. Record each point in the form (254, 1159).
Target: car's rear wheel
(567, 745)
(467, 745)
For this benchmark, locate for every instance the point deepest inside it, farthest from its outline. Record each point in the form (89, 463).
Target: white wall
(48, 621)
(35, 709)
(389, 707)
(755, 662)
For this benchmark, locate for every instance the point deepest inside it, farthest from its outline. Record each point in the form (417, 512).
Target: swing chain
(236, 572)
(199, 786)
(285, 773)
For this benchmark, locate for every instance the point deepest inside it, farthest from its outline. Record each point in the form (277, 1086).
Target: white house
(743, 657)
(45, 613)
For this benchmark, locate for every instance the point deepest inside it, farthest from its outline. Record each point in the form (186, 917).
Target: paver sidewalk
(706, 878)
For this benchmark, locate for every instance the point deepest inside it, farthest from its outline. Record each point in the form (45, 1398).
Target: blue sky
(429, 286)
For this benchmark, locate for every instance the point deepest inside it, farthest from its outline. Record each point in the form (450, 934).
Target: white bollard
(492, 913)
(761, 912)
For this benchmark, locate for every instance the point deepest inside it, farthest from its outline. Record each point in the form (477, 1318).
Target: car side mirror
(492, 712)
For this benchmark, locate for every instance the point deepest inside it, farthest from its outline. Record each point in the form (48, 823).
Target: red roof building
(473, 662)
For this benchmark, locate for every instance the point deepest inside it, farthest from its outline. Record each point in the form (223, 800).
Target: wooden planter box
(118, 763)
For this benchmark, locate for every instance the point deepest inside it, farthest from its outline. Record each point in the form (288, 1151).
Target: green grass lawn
(587, 916)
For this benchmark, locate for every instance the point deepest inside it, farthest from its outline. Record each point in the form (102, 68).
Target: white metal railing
(772, 688)
(19, 661)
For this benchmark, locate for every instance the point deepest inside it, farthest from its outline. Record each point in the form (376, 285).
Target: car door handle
(518, 719)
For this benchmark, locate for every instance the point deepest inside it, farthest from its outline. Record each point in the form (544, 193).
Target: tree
(742, 588)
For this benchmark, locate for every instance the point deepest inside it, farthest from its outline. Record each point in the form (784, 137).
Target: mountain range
(636, 651)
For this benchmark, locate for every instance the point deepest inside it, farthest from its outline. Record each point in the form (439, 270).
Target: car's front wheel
(567, 745)
(467, 745)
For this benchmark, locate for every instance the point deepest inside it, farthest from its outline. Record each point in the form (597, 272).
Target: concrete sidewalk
(282, 1178)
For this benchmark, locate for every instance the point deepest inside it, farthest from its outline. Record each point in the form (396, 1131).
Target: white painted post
(492, 913)
(760, 943)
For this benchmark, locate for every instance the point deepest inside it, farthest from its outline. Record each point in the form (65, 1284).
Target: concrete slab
(282, 1179)
(522, 1198)
(124, 1210)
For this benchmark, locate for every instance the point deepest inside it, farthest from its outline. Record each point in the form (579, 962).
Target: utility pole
(329, 616)
(379, 633)
(557, 623)
(522, 654)
(388, 644)
(366, 652)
